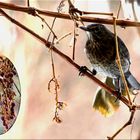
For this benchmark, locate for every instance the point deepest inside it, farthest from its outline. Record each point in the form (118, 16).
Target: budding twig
(59, 105)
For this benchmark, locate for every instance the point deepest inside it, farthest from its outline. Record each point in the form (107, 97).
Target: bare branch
(96, 13)
(129, 122)
(62, 37)
(51, 30)
(67, 16)
(118, 12)
(76, 10)
(28, 3)
(118, 61)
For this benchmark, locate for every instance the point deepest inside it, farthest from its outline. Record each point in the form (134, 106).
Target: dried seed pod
(10, 94)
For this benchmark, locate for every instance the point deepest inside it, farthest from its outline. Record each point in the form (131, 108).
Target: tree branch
(129, 122)
(31, 10)
(65, 57)
(118, 61)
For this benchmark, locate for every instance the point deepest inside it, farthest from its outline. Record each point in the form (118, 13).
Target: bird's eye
(96, 29)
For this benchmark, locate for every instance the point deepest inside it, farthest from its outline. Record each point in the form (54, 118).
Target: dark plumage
(101, 51)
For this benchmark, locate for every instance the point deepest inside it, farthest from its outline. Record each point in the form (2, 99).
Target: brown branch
(129, 122)
(58, 104)
(91, 13)
(118, 12)
(65, 57)
(28, 3)
(62, 37)
(74, 16)
(30, 10)
(74, 41)
(76, 10)
(50, 28)
(97, 13)
(118, 61)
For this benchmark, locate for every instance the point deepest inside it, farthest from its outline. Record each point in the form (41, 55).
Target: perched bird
(101, 51)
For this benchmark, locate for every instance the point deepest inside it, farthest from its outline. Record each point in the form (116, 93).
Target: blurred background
(32, 61)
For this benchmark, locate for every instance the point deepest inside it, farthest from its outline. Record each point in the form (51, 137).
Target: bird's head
(95, 28)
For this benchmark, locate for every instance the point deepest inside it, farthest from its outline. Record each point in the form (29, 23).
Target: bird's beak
(83, 28)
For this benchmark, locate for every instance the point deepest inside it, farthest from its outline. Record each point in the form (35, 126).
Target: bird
(100, 49)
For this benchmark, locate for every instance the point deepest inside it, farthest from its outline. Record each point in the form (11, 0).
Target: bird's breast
(97, 54)
(103, 59)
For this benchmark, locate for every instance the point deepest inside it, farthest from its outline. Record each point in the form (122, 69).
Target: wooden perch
(31, 10)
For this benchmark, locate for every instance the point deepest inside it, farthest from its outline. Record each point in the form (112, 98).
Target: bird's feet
(94, 72)
(84, 69)
(118, 87)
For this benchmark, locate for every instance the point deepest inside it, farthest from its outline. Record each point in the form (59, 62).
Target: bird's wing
(110, 41)
(123, 49)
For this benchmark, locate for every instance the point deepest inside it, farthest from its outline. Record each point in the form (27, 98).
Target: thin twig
(67, 59)
(58, 9)
(58, 105)
(62, 37)
(74, 40)
(118, 13)
(129, 122)
(75, 17)
(53, 68)
(28, 3)
(132, 129)
(118, 61)
(66, 16)
(50, 28)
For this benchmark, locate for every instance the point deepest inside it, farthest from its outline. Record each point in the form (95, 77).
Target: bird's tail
(132, 82)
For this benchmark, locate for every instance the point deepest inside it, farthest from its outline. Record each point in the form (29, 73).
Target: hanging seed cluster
(7, 94)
